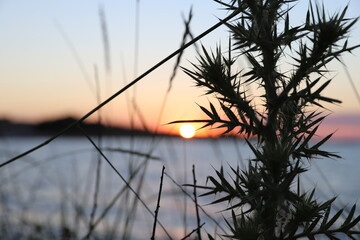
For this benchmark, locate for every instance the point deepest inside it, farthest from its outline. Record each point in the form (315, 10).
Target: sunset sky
(52, 52)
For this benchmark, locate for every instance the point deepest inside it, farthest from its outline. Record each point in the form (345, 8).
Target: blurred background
(59, 58)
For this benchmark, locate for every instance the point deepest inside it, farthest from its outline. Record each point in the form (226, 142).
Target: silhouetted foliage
(263, 200)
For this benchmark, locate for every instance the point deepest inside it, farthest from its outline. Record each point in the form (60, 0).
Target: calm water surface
(57, 182)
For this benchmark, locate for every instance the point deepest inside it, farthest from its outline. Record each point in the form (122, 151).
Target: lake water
(55, 185)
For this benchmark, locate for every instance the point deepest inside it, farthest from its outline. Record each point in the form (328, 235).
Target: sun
(187, 130)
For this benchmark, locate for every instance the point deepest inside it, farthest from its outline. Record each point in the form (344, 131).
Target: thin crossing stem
(196, 205)
(158, 204)
(124, 180)
(112, 97)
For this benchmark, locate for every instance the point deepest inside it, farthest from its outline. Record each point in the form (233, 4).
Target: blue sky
(49, 51)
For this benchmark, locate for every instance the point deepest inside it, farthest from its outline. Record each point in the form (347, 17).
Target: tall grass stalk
(119, 92)
(158, 204)
(136, 193)
(198, 220)
(92, 222)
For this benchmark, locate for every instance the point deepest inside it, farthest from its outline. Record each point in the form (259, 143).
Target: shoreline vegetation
(48, 128)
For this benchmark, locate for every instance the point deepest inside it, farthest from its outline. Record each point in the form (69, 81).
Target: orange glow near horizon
(48, 82)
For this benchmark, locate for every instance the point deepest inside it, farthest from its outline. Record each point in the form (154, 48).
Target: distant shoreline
(49, 128)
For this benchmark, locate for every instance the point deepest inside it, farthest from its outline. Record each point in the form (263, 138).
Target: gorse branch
(262, 201)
